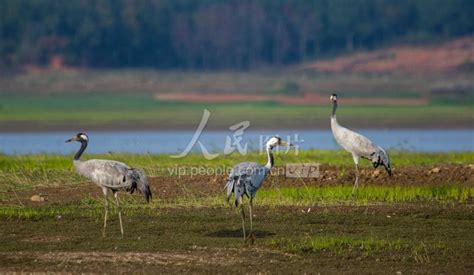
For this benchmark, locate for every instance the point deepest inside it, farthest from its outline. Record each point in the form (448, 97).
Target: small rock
(471, 166)
(435, 170)
(375, 173)
(37, 198)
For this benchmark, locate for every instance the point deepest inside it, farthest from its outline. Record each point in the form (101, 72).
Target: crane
(358, 145)
(246, 178)
(111, 176)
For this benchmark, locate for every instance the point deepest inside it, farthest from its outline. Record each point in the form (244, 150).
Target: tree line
(216, 34)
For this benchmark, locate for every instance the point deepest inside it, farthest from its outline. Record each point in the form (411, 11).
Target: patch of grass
(357, 247)
(268, 197)
(143, 109)
(339, 245)
(37, 213)
(156, 163)
(333, 195)
(327, 195)
(26, 172)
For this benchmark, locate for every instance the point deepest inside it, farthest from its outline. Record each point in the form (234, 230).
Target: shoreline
(132, 126)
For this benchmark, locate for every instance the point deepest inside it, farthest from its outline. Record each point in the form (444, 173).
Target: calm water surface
(174, 142)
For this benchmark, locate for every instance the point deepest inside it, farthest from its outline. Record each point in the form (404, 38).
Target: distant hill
(216, 35)
(449, 56)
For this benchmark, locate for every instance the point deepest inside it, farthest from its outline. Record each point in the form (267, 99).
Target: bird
(246, 178)
(358, 145)
(111, 176)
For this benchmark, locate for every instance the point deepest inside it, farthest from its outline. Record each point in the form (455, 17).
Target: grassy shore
(23, 173)
(143, 112)
(126, 99)
(25, 163)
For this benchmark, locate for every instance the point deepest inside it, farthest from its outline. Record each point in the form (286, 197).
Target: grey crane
(110, 175)
(246, 178)
(358, 145)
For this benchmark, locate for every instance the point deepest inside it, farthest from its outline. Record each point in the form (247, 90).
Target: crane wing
(245, 179)
(354, 142)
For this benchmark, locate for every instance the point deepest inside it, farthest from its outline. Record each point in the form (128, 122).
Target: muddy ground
(63, 235)
(406, 238)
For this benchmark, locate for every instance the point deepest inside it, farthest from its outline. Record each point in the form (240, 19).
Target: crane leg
(106, 211)
(119, 212)
(250, 212)
(251, 235)
(242, 213)
(356, 184)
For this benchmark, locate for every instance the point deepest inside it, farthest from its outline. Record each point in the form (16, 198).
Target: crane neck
(270, 161)
(78, 155)
(334, 108)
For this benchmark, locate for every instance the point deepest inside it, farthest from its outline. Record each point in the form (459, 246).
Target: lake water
(174, 142)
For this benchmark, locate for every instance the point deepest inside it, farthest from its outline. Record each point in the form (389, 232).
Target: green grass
(143, 109)
(267, 197)
(30, 171)
(100, 98)
(334, 195)
(338, 245)
(126, 98)
(348, 246)
(157, 162)
(307, 196)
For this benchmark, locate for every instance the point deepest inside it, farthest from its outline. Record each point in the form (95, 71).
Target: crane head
(275, 141)
(81, 137)
(333, 97)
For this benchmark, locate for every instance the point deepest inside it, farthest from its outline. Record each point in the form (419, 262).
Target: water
(174, 142)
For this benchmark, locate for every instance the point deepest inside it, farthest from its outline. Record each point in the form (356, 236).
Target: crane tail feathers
(385, 160)
(142, 184)
(233, 185)
(147, 193)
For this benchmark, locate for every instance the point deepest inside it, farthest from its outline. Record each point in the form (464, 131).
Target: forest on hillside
(216, 34)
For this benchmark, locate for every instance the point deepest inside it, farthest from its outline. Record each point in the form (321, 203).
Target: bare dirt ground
(448, 56)
(426, 238)
(197, 259)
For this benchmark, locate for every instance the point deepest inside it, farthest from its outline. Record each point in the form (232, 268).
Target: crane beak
(285, 143)
(71, 139)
